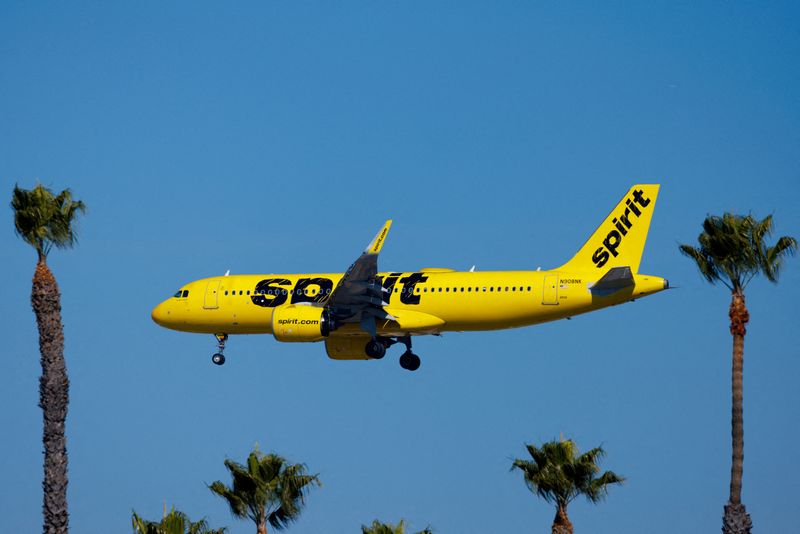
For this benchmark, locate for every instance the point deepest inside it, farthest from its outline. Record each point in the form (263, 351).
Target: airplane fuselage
(461, 301)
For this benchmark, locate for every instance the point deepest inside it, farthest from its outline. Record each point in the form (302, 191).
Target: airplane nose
(160, 314)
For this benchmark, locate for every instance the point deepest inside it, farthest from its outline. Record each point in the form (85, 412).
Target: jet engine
(301, 323)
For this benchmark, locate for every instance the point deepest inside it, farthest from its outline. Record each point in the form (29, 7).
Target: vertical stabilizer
(619, 240)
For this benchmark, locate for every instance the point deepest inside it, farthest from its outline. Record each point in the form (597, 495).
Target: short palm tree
(44, 220)
(733, 251)
(379, 527)
(174, 522)
(558, 474)
(267, 490)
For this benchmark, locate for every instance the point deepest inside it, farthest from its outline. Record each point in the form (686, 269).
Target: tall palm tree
(733, 251)
(44, 220)
(174, 522)
(558, 474)
(379, 527)
(267, 490)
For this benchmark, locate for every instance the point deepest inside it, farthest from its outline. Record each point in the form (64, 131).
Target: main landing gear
(219, 358)
(376, 349)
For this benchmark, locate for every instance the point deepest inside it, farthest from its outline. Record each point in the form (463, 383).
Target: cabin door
(212, 295)
(550, 290)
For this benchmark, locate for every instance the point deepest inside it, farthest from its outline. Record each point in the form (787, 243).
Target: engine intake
(301, 323)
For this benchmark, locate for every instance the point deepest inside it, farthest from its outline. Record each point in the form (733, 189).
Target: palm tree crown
(558, 473)
(174, 522)
(379, 527)
(43, 219)
(267, 490)
(733, 250)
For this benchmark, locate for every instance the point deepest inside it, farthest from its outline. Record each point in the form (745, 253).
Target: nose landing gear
(219, 358)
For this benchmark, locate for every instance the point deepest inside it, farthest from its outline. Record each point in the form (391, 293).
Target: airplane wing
(358, 297)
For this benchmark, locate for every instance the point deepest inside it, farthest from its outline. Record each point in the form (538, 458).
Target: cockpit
(181, 294)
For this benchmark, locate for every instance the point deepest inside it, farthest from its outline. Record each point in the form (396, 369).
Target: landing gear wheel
(375, 349)
(219, 358)
(410, 361)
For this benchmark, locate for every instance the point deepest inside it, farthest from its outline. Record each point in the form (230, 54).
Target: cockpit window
(177, 295)
(181, 293)
(185, 293)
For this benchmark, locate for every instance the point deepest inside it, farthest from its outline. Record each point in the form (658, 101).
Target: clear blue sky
(278, 136)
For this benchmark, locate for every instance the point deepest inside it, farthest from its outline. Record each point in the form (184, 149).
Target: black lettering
(410, 281)
(619, 226)
(268, 295)
(633, 207)
(612, 246)
(388, 284)
(301, 293)
(600, 257)
(624, 218)
(637, 196)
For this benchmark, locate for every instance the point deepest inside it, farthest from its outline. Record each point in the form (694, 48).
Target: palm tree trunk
(561, 523)
(262, 528)
(736, 520)
(53, 397)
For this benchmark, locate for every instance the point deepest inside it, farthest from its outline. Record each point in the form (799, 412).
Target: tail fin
(619, 240)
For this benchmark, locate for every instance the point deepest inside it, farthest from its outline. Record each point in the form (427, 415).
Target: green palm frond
(174, 522)
(45, 220)
(379, 527)
(558, 473)
(733, 250)
(266, 489)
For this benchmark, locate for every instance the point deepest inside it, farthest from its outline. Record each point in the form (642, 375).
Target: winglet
(376, 244)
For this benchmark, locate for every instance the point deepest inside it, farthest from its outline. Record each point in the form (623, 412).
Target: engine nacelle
(300, 323)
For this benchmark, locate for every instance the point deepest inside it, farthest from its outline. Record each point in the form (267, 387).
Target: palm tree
(174, 522)
(558, 474)
(733, 251)
(267, 490)
(378, 527)
(44, 220)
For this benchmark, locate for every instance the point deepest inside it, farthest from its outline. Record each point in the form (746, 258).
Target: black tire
(218, 358)
(375, 349)
(410, 361)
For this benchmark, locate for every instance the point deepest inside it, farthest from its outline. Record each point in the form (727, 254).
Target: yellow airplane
(360, 313)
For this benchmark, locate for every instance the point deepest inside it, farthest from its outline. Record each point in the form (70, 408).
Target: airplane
(360, 313)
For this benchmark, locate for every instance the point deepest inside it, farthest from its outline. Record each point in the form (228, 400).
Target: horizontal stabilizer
(616, 278)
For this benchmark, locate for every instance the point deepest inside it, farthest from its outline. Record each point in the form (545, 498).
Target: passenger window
(490, 289)
(226, 292)
(529, 288)
(462, 289)
(248, 291)
(514, 288)
(447, 289)
(469, 289)
(426, 290)
(484, 289)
